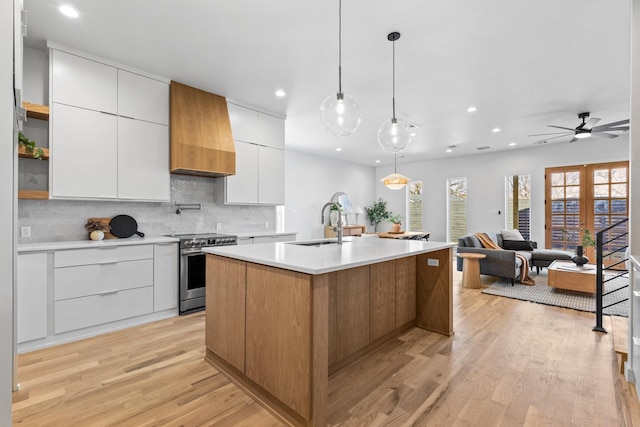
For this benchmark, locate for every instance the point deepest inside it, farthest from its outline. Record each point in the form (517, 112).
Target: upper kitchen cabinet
(259, 139)
(152, 107)
(201, 141)
(253, 126)
(83, 83)
(109, 130)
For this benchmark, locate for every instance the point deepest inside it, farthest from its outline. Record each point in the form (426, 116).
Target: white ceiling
(523, 64)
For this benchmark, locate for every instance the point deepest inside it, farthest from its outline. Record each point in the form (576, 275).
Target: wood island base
(279, 334)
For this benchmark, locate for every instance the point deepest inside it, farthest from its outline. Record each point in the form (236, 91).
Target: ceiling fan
(587, 128)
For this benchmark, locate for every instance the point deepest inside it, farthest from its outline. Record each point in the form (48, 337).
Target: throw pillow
(517, 245)
(511, 235)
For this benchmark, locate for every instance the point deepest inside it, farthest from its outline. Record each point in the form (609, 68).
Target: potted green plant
(377, 213)
(30, 146)
(586, 241)
(396, 221)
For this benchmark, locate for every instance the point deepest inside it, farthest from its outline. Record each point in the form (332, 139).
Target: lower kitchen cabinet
(165, 276)
(67, 294)
(31, 296)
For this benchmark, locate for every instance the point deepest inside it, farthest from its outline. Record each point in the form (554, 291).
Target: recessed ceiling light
(511, 144)
(338, 149)
(68, 11)
(472, 109)
(280, 93)
(495, 130)
(377, 161)
(449, 150)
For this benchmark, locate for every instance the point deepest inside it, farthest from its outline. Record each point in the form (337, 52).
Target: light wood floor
(510, 363)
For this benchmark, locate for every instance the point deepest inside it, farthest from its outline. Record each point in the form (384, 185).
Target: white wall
(7, 243)
(310, 181)
(486, 174)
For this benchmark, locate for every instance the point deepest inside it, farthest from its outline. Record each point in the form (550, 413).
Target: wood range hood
(201, 138)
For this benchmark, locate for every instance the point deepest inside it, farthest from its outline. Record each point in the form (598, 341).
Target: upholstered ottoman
(544, 257)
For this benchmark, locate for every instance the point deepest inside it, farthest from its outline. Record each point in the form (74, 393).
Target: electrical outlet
(431, 262)
(218, 226)
(266, 224)
(25, 231)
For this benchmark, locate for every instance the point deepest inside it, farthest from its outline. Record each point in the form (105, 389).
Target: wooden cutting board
(105, 229)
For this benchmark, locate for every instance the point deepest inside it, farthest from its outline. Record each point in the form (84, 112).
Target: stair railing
(600, 281)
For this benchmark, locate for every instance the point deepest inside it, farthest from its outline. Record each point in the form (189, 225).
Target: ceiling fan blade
(555, 137)
(554, 133)
(610, 129)
(590, 123)
(604, 135)
(560, 127)
(610, 125)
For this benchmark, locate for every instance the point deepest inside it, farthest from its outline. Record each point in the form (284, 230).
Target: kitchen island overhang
(282, 317)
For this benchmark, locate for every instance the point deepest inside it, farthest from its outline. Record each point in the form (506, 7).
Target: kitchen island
(282, 317)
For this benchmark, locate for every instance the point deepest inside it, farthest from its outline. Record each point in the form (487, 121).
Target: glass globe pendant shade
(394, 135)
(340, 114)
(395, 181)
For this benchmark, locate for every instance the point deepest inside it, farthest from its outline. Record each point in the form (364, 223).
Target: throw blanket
(525, 279)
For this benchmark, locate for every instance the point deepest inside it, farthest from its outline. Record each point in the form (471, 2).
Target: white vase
(333, 216)
(96, 235)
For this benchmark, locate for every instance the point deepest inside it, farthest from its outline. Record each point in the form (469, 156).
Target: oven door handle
(191, 252)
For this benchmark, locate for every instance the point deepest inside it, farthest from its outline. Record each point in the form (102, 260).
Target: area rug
(542, 293)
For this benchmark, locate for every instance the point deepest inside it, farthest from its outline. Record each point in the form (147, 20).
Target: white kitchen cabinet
(270, 131)
(109, 130)
(84, 153)
(94, 286)
(260, 128)
(77, 313)
(143, 160)
(143, 98)
(242, 188)
(31, 298)
(271, 176)
(83, 83)
(165, 275)
(244, 123)
(259, 177)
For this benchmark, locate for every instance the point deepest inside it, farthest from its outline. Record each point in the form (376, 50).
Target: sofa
(504, 263)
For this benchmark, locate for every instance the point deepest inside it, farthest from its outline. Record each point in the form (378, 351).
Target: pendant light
(395, 181)
(394, 135)
(340, 113)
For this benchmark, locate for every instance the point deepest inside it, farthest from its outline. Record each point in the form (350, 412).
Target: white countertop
(265, 234)
(84, 244)
(354, 252)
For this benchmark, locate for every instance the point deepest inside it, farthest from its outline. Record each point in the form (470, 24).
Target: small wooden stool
(471, 269)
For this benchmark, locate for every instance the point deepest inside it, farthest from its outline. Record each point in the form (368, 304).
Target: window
(457, 208)
(519, 204)
(414, 214)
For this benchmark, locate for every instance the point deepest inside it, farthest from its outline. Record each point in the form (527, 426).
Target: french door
(586, 197)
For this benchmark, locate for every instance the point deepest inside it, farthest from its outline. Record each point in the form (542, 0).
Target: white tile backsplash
(60, 220)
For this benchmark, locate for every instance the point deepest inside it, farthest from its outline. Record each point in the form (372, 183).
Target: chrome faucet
(338, 227)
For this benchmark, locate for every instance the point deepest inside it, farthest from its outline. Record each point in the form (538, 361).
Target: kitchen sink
(317, 243)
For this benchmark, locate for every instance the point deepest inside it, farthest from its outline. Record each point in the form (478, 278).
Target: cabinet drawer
(102, 255)
(94, 310)
(95, 279)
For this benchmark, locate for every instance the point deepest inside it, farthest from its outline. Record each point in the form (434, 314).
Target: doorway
(586, 197)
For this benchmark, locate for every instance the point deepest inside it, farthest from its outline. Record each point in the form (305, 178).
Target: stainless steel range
(193, 267)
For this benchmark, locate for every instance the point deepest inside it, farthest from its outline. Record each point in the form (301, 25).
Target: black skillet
(124, 226)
